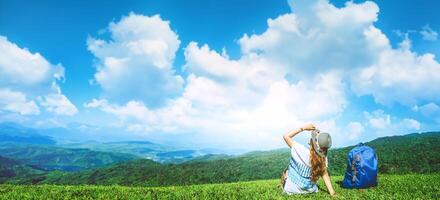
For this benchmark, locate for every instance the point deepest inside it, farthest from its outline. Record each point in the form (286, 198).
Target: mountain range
(52, 151)
(413, 153)
(29, 156)
(13, 171)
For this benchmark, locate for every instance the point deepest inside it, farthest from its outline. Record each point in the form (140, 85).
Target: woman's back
(307, 165)
(298, 180)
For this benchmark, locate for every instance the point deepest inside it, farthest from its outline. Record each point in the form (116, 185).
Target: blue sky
(359, 70)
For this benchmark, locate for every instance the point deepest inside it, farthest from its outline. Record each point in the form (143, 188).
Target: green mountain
(50, 157)
(145, 149)
(414, 153)
(53, 149)
(142, 149)
(12, 171)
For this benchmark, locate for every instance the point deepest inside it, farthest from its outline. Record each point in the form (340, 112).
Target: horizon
(190, 74)
(227, 151)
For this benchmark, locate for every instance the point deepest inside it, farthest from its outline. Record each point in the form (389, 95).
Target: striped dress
(298, 180)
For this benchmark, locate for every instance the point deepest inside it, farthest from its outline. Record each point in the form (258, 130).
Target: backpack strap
(353, 168)
(354, 171)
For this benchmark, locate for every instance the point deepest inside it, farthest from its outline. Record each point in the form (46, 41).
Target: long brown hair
(318, 163)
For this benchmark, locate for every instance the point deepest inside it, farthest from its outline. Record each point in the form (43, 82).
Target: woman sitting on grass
(307, 165)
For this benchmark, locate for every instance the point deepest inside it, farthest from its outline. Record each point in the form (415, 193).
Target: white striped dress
(298, 180)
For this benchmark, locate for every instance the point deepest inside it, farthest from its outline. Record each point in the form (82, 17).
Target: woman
(307, 165)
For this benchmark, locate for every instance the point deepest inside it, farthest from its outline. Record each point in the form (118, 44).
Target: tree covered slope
(13, 171)
(51, 157)
(414, 153)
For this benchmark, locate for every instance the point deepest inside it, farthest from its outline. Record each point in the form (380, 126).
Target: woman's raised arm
(288, 136)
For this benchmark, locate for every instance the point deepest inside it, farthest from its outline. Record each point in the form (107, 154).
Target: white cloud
(59, 104)
(428, 34)
(250, 102)
(410, 124)
(251, 76)
(140, 118)
(430, 109)
(355, 130)
(323, 96)
(16, 65)
(136, 63)
(400, 75)
(219, 65)
(318, 37)
(17, 102)
(385, 124)
(207, 104)
(26, 77)
(378, 119)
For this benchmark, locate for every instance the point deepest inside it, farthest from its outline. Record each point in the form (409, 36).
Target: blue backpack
(361, 168)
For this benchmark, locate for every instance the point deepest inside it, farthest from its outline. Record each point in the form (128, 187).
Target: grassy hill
(411, 186)
(414, 153)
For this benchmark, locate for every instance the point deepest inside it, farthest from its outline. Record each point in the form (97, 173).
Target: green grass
(410, 186)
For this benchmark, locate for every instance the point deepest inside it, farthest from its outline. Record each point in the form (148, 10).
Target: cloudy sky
(224, 74)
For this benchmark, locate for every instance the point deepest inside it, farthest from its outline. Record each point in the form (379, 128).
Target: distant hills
(14, 133)
(12, 171)
(31, 147)
(143, 149)
(30, 156)
(414, 153)
(54, 149)
(57, 158)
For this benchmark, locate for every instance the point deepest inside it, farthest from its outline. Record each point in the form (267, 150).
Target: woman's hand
(309, 127)
(288, 136)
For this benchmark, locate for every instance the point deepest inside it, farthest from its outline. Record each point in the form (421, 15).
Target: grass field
(411, 186)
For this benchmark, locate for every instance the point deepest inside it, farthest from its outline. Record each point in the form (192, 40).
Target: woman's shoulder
(299, 147)
(300, 151)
